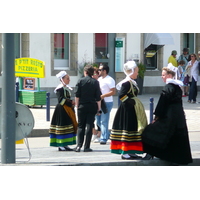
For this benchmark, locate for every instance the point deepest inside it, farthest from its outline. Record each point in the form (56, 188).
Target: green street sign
(118, 43)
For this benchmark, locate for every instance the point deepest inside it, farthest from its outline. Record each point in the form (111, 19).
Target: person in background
(186, 58)
(107, 86)
(88, 102)
(167, 136)
(96, 133)
(180, 75)
(194, 75)
(172, 58)
(63, 126)
(130, 119)
(199, 62)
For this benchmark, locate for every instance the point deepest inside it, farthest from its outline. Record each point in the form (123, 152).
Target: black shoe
(88, 150)
(60, 149)
(102, 142)
(148, 157)
(130, 158)
(77, 149)
(68, 149)
(135, 156)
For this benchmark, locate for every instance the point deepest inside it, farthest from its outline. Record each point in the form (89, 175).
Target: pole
(17, 91)
(47, 106)
(8, 100)
(151, 109)
(38, 84)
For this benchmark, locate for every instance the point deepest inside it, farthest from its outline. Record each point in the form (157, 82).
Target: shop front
(28, 70)
(152, 43)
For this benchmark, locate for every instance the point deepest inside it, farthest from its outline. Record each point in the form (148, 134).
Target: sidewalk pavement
(36, 149)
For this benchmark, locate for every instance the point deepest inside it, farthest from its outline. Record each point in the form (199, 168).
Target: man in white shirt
(107, 86)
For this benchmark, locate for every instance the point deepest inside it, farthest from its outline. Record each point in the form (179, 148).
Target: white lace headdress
(128, 66)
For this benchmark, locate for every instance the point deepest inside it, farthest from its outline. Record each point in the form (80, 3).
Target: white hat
(61, 74)
(130, 65)
(172, 68)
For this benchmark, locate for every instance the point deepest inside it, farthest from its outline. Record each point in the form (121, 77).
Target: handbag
(103, 106)
(186, 80)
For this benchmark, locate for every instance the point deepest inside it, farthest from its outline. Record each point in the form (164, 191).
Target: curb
(155, 162)
(39, 133)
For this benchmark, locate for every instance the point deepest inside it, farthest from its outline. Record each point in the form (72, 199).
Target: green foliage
(95, 65)
(82, 65)
(142, 70)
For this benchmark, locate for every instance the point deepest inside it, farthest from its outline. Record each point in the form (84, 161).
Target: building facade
(69, 51)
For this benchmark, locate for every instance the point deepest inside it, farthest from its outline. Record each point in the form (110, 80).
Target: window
(188, 42)
(61, 51)
(101, 46)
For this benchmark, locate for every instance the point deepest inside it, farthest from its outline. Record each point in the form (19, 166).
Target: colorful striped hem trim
(126, 152)
(62, 144)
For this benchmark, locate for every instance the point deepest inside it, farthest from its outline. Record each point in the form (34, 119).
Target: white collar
(174, 81)
(119, 85)
(61, 85)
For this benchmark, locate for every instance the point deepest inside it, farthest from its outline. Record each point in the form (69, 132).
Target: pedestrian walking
(192, 66)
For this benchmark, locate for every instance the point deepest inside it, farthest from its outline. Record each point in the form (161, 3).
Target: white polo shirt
(106, 84)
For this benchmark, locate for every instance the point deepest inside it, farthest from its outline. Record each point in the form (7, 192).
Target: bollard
(47, 106)
(17, 91)
(151, 109)
(119, 101)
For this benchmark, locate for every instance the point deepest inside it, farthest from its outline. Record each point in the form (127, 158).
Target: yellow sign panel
(29, 67)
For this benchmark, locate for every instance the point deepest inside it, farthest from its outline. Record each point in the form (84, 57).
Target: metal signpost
(8, 101)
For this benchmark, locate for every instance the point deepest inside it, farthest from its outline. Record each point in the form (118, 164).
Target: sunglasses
(100, 69)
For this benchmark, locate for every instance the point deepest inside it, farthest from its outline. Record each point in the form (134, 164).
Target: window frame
(62, 64)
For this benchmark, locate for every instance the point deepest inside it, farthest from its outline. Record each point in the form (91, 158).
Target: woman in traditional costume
(63, 126)
(130, 119)
(167, 136)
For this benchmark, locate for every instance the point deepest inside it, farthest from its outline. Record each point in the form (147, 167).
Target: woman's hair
(169, 71)
(193, 55)
(89, 69)
(96, 70)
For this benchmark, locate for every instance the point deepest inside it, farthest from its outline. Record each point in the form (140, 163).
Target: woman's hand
(73, 102)
(99, 113)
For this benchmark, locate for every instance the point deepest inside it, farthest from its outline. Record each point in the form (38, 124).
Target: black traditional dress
(129, 122)
(63, 126)
(167, 138)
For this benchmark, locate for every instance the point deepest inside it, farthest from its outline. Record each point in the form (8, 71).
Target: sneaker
(94, 137)
(102, 142)
(97, 140)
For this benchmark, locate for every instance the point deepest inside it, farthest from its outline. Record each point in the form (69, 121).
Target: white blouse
(194, 70)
